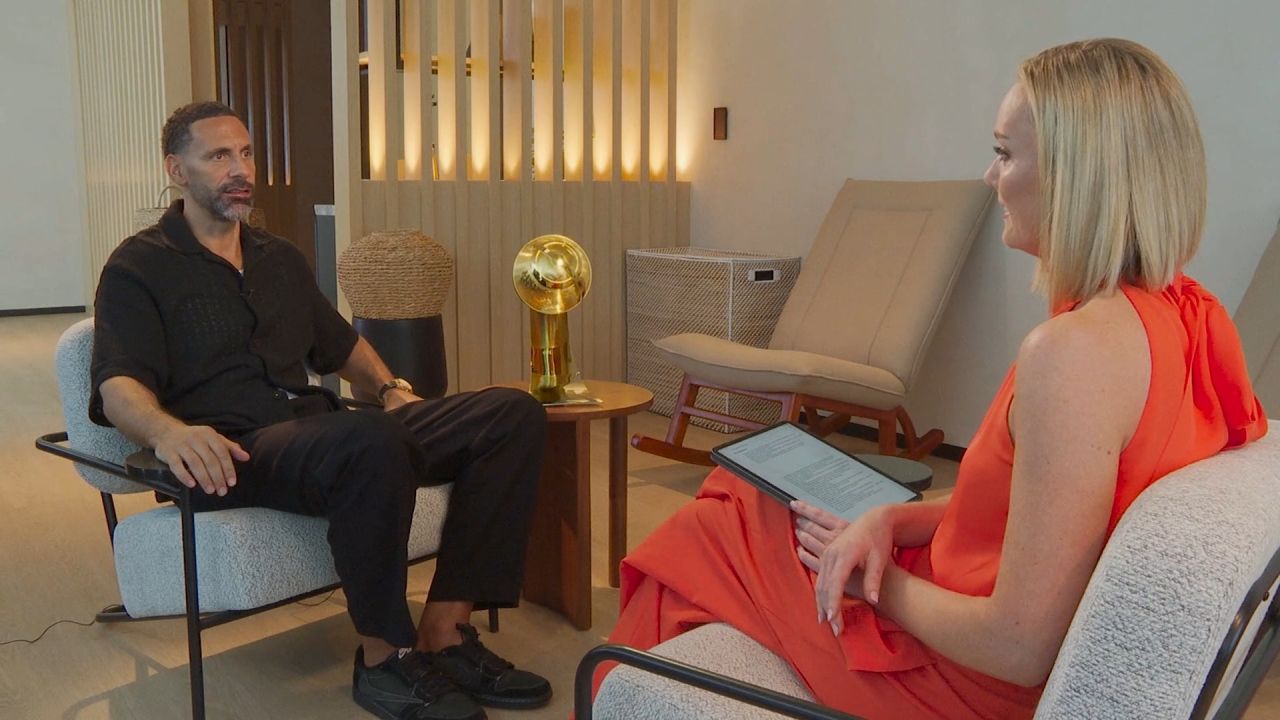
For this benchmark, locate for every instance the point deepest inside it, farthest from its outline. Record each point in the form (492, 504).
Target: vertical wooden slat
(411, 102)
(557, 115)
(603, 85)
(493, 238)
(672, 168)
(544, 141)
(345, 81)
(527, 166)
(615, 323)
(448, 55)
(595, 309)
(472, 310)
(573, 98)
(382, 55)
(478, 158)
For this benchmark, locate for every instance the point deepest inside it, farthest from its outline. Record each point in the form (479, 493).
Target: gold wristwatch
(393, 384)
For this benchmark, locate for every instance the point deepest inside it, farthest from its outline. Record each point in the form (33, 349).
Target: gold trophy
(552, 275)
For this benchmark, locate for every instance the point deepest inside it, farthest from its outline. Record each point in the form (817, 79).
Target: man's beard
(216, 203)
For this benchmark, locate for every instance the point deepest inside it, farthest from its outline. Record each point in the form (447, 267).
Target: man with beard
(205, 331)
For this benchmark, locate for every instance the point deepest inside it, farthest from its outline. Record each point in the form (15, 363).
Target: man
(205, 329)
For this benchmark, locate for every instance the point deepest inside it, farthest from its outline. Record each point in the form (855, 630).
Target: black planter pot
(414, 350)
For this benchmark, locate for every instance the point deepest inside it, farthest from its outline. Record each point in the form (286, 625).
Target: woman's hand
(865, 546)
(815, 527)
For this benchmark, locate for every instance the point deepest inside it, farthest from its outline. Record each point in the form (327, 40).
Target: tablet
(789, 463)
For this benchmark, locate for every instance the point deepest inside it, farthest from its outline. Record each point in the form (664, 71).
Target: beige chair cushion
(876, 281)
(1258, 319)
(724, 362)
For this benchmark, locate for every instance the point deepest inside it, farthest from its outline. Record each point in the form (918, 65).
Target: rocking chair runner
(854, 331)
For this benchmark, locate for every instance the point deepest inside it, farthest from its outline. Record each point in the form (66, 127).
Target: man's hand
(198, 455)
(395, 398)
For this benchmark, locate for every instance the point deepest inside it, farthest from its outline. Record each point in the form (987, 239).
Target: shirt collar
(177, 232)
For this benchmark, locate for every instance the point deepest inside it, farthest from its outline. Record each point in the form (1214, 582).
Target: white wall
(42, 231)
(821, 90)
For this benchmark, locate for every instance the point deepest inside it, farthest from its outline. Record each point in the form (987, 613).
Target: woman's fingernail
(831, 615)
(874, 597)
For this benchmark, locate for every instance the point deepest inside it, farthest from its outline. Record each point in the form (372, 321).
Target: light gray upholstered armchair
(1180, 619)
(250, 559)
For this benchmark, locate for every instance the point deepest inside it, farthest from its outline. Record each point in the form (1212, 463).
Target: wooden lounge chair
(853, 334)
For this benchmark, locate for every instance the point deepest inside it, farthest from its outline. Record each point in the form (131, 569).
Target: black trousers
(361, 470)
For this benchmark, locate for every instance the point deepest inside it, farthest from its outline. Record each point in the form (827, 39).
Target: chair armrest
(54, 444)
(680, 672)
(144, 468)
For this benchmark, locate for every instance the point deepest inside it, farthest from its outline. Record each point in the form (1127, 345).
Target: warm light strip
(515, 89)
(644, 80)
(659, 75)
(673, 9)
(605, 102)
(573, 120)
(411, 51)
(426, 32)
(557, 89)
(446, 89)
(493, 58)
(543, 135)
(478, 158)
(631, 97)
(378, 99)
(602, 87)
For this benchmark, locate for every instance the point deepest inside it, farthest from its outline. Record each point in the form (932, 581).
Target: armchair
(1180, 619)
(250, 559)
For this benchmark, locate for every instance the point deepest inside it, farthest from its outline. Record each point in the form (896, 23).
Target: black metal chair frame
(145, 469)
(1258, 660)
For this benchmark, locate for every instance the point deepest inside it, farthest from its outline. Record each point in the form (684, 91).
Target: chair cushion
(728, 363)
(245, 558)
(628, 693)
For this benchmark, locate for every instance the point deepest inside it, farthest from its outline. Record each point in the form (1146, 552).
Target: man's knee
(377, 438)
(517, 410)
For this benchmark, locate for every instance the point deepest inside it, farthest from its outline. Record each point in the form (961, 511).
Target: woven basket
(395, 275)
(720, 293)
(146, 217)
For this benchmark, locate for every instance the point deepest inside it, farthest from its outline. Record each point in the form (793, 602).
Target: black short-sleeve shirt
(217, 347)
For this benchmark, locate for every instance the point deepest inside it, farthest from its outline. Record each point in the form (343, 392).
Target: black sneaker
(492, 681)
(406, 686)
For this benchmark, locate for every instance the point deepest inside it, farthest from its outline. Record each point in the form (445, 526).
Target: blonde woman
(956, 607)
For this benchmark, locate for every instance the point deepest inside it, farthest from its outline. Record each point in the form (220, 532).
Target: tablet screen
(807, 468)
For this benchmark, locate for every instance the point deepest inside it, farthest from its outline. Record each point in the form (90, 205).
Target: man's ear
(173, 168)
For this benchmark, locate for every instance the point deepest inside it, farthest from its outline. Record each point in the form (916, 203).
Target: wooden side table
(558, 563)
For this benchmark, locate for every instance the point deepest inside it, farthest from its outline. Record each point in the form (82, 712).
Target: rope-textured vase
(395, 275)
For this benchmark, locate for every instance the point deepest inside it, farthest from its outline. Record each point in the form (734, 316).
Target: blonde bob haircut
(1122, 170)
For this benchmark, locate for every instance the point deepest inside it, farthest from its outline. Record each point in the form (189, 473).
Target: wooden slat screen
(513, 119)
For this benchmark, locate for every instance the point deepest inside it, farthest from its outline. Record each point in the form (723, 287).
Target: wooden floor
(292, 662)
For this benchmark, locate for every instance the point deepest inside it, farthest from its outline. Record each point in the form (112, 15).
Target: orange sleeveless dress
(729, 555)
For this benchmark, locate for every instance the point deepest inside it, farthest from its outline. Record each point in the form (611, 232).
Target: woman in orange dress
(956, 607)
